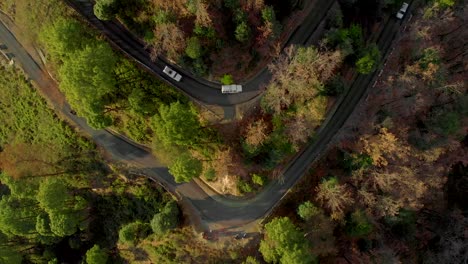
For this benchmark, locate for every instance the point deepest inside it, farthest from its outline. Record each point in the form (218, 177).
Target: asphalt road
(208, 210)
(198, 88)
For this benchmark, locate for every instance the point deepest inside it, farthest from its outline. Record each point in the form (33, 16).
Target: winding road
(206, 209)
(198, 88)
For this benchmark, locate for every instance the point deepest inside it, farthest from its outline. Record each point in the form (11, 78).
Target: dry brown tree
(256, 133)
(334, 196)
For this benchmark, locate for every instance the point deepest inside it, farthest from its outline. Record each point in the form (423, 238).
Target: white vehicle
(402, 11)
(173, 74)
(233, 88)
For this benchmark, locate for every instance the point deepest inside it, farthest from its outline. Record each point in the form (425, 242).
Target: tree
(318, 229)
(384, 147)
(368, 63)
(10, 256)
(251, 260)
(185, 168)
(168, 39)
(298, 77)
(18, 216)
(227, 79)
(283, 242)
(333, 196)
(165, 220)
(64, 37)
(130, 234)
(105, 9)
(177, 124)
(194, 48)
(307, 210)
(242, 32)
(358, 225)
(256, 133)
(87, 77)
(64, 209)
(96, 255)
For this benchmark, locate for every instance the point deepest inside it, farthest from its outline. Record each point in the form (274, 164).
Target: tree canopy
(87, 78)
(177, 124)
(185, 168)
(96, 255)
(284, 243)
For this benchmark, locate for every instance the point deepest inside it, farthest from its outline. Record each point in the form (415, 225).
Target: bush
(210, 174)
(227, 79)
(105, 9)
(258, 179)
(194, 48)
(335, 86)
(368, 63)
(242, 32)
(243, 186)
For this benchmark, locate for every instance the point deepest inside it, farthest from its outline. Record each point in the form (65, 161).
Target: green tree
(368, 63)
(243, 32)
(445, 122)
(251, 260)
(358, 225)
(64, 37)
(177, 124)
(185, 168)
(307, 210)
(105, 9)
(18, 216)
(165, 220)
(131, 233)
(87, 79)
(10, 256)
(194, 48)
(284, 243)
(96, 255)
(64, 209)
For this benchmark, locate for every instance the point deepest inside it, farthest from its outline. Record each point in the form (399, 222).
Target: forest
(390, 187)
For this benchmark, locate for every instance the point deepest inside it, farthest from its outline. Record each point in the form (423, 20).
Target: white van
(233, 88)
(173, 74)
(402, 11)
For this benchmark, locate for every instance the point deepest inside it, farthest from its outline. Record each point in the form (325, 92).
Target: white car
(402, 11)
(233, 88)
(173, 74)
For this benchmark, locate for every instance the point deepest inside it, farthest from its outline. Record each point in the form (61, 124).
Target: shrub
(243, 186)
(105, 9)
(368, 63)
(194, 48)
(210, 174)
(227, 79)
(258, 179)
(242, 32)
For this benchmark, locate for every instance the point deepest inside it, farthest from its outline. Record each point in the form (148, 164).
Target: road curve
(211, 211)
(198, 88)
